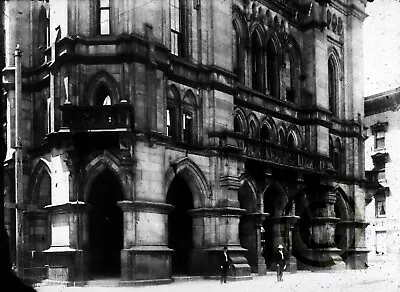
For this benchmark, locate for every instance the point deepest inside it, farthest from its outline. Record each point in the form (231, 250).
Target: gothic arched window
(333, 86)
(257, 68)
(173, 113)
(272, 69)
(265, 134)
(237, 60)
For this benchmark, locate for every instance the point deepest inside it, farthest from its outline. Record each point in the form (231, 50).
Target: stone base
(292, 265)
(67, 265)
(321, 259)
(357, 259)
(142, 263)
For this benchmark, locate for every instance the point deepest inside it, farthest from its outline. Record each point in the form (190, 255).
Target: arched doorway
(105, 226)
(275, 201)
(247, 224)
(180, 234)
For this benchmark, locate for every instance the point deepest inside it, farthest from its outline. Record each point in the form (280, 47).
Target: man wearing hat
(280, 263)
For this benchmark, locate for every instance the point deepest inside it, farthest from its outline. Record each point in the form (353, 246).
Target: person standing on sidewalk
(225, 264)
(280, 264)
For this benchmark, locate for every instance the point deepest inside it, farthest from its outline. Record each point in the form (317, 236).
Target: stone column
(323, 225)
(145, 255)
(259, 219)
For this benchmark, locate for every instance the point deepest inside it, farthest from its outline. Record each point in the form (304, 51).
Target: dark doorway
(272, 202)
(105, 226)
(180, 234)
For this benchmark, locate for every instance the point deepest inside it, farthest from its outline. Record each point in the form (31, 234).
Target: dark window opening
(257, 73)
(272, 69)
(332, 87)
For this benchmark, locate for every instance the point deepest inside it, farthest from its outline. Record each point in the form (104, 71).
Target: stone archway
(105, 225)
(247, 224)
(180, 235)
(275, 201)
(187, 191)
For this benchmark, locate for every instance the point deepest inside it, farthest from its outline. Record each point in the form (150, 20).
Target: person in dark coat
(280, 263)
(225, 264)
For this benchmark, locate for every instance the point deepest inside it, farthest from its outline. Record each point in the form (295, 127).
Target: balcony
(117, 117)
(268, 152)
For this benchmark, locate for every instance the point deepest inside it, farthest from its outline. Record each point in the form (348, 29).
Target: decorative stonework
(334, 23)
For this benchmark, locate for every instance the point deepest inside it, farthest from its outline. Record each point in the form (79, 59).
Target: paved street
(382, 275)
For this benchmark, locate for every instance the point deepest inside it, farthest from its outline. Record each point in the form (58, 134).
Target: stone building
(153, 133)
(382, 168)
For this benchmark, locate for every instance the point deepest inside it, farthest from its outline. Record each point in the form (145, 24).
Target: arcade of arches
(110, 236)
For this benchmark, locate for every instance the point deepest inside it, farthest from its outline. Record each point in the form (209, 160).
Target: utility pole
(19, 187)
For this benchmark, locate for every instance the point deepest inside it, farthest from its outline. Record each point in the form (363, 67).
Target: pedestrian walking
(225, 264)
(280, 264)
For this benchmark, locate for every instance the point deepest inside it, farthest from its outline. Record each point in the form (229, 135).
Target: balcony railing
(270, 152)
(92, 118)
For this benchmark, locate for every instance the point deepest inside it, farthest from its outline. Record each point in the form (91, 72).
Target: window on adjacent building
(380, 205)
(380, 140)
(104, 17)
(177, 27)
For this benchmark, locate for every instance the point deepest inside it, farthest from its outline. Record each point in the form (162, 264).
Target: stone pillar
(145, 255)
(323, 225)
(282, 228)
(213, 229)
(67, 257)
(259, 219)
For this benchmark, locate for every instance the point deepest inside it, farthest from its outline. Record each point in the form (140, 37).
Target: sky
(381, 46)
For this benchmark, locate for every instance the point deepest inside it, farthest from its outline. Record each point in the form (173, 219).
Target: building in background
(155, 132)
(382, 162)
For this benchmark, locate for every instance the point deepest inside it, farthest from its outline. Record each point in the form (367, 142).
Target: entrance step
(186, 278)
(106, 282)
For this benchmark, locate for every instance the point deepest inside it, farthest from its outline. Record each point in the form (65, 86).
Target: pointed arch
(41, 174)
(269, 125)
(240, 35)
(102, 86)
(254, 126)
(292, 70)
(276, 198)
(239, 121)
(97, 163)
(257, 58)
(189, 98)
(334, 74)
(282, 134)
(294, 132)
(194, 177)
(249, 202)
(273, 64)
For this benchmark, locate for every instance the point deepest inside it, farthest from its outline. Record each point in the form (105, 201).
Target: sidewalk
(382, 275)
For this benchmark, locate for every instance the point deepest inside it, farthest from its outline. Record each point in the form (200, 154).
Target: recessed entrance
(180, 235)
(105, 226)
